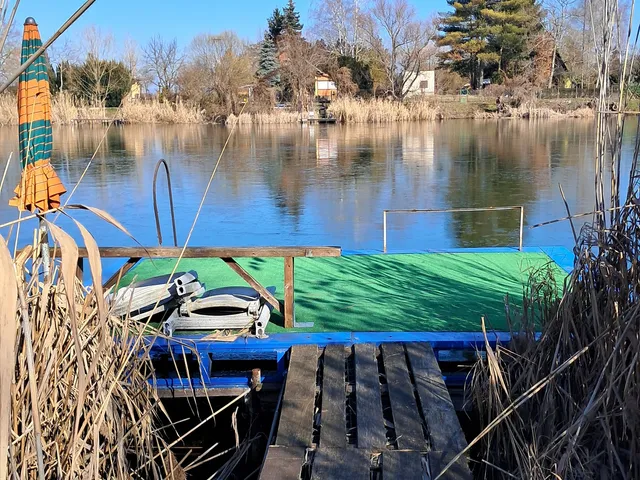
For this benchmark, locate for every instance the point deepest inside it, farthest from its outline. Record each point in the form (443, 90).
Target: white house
(424, 83)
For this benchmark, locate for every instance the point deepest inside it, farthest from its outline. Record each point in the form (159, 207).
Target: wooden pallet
(392, 415)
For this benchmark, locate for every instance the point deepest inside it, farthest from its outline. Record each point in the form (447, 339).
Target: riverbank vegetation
(513, 56)
(561, 399)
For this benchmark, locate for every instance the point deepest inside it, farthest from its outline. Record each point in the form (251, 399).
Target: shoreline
(345, 110)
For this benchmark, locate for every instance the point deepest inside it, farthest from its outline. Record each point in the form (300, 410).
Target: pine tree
(466, 34)
(510, 26)
(275, 25)
(268, 64)
(291, 18)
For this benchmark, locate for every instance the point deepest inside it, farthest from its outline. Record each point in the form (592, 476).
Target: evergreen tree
(488, 35)
(291, 18)
(510, 26)
(268, 64)
(466, 34)
(275, 25)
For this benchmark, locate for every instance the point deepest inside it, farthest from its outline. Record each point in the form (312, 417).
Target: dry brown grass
(353, 110)
(76, 382)
(159, 112)
(277, 117)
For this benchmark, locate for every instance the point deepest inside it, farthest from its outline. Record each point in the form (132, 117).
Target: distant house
(325, 87)
(541, 55)
(135, 91)
(420, 83)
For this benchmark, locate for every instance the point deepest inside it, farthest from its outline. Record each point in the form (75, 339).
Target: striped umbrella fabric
(39, 188)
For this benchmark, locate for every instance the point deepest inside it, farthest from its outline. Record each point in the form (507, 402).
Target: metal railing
(450, 210)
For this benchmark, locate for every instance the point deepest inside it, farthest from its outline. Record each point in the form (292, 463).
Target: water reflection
(328, 184)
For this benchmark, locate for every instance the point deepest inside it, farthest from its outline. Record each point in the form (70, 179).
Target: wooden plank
(296, 417)
(289, 307)
(438, 460)
(406, 419)
(341, 464)
(369, 421)
(444, 428)
(246, 276)
(213, 252)
(333, 420)
(283, 463)
(405, 465)
(113, 279)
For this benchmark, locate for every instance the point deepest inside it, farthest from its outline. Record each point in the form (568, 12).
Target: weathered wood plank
(333, 420)
(369, 421)
(405, 465)
(289, 306)
(458, 471)
(246, 276)
(296, 418)
(406, 418)
(283, 463)
(341, 464)
(444, 428)
(213, 252)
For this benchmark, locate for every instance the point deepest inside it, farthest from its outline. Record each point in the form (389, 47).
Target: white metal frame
(450, 210)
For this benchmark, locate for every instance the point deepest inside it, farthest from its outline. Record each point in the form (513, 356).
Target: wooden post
(289, 312)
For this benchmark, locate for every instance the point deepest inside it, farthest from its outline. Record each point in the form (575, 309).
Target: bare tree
(218, 65)
(95, 79)
(130, 56)
(400, 42)
(299, 66)
(339, 24)
(163, 62)
(557, 17)
(63, 55)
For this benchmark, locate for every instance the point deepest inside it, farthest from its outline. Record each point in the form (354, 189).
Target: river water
(327, 184)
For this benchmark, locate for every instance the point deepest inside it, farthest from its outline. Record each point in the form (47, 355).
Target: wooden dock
(362, 411)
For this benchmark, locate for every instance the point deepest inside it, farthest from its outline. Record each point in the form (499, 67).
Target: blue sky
(141, 19)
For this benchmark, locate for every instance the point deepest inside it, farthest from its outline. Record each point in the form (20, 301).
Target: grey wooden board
(406, 418)
(401, 465)
(333, 432)
(369, 421)
(283, 463)
(341, 464)
(458, 471)
(444, 428)
(296, 417)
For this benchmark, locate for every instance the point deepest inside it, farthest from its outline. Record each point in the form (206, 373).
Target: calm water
(328, 185)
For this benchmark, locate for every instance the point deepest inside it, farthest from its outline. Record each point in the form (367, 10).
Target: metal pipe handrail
(155, 202)
(449, 210)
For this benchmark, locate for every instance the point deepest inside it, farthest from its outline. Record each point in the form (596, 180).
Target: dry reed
(278, 117)
(566, 406)
(353, 110)
(76, 379)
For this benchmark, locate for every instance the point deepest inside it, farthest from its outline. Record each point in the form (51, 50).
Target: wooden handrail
(212, 252)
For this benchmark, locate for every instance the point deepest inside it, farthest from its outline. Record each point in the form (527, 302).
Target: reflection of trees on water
(501, 164)
(332, 181)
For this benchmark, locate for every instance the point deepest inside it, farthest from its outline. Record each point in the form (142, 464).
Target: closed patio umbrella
(39, 188)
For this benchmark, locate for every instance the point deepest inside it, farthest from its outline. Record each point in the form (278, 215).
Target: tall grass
(160, 112)
(566, 405)
(278, 117)
(353, 110)
(77, 387)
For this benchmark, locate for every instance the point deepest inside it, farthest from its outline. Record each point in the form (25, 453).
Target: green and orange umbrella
(39, 188)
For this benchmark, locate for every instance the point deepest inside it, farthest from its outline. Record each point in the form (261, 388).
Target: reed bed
(353, 110)
(566, 406)
(77, 395)
(159, 112)
(278, 117)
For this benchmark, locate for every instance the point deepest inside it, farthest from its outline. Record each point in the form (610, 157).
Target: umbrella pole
(44, 250)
